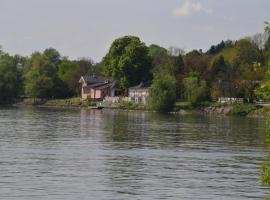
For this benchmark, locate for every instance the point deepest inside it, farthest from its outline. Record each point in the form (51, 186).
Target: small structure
(98, 88)
(139, 93)
(230, 100)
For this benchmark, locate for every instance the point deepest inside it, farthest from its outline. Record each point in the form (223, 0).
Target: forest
(228, 69)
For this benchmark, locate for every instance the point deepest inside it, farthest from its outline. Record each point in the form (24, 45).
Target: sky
(86, 28)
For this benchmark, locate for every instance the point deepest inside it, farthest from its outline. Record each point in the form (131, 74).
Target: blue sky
(86, 28)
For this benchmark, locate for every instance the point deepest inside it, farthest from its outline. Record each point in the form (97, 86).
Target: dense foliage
(10, 77)
(229, 69)
(127, 61)
(162, 95)
(195, 89)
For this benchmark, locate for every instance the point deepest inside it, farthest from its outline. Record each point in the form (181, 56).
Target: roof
(142, 85)
(94, 79)
(107, 85)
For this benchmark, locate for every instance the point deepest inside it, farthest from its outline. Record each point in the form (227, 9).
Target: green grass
(183, 105)
(64, 102)
(189, 106)
(132, 106)
(265, 111)
(242, 109)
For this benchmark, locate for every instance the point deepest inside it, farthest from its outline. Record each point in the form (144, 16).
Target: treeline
(43, 75)
(228, 69)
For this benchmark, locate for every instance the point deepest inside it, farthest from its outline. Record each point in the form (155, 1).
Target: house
(98, 87)
(138, 94)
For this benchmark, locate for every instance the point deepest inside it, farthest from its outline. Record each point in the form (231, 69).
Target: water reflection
(109, 154)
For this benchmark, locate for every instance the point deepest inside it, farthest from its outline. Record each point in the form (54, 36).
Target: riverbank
(181, 108)
(212, 108)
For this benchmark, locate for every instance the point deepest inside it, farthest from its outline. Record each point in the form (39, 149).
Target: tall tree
(127, 61)
(162, 94)
(41, 77)
(195, 89)
(247, 65)
(10, 79)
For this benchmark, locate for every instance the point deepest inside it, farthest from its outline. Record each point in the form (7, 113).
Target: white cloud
(189, 8)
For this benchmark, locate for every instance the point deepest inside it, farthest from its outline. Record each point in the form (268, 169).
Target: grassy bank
(70, 102)
(215, 108)
(208, 108)
(261, 112)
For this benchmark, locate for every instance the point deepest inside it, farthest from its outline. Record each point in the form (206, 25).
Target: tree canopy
(162, 94)
(127, 61)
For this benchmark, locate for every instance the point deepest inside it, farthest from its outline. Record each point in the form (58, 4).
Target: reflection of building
(98, 87)
(138, 94)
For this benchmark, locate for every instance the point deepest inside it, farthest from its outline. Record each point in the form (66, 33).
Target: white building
(138, 94)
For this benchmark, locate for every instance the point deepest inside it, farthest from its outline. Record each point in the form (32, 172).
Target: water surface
(92, 154)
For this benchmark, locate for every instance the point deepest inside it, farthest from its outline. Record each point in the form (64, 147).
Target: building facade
(138, 94)
(98, 88)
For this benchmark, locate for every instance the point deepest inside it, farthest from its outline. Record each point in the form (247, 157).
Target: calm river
(116, 155)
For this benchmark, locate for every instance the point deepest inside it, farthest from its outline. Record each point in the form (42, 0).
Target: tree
(156, 51)
(214, 49)
(247, 52)
(267, 27)
(195, 89)
(71, 71)
(10, 79)
(219, 68)
(53, 55)
(162, 94)
(263, 90)
(221, 78)
(127, 61)
(247, 65)
(41, 78)
(198, 63)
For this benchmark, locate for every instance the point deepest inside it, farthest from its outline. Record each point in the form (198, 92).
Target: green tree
(156, 51)
(127, 61)
(71, 71)
(247, 52)
(219, 68)
(263, 90)
(41, 78)
(247, 65)
(195, 89)
(162, 94)
(53, 55)
(10, 79)
(196, 62)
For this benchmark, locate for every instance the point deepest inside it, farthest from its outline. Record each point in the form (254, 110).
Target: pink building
(98, 88)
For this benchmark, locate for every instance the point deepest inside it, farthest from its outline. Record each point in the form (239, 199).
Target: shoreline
(242, 110)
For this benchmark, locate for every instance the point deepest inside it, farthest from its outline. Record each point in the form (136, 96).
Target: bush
(195, 90)
(262, 111)
(162, 94)
(265, 173)
(242, 109)
(129, 106)
(90, 102)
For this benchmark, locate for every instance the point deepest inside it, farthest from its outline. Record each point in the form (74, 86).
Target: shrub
(195, 90)
(162, 94)
(242, 109)
(90, 102)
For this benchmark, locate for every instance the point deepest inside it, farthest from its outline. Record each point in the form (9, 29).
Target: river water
(116, 155)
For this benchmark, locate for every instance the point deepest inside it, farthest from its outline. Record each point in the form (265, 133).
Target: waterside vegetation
(238, 69)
